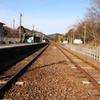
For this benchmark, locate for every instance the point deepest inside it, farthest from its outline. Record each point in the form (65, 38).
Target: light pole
(33, 33)
(84, 32)
(20, 26)
(14, 27)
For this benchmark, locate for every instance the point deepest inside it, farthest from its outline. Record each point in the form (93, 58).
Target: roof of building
(2, 23)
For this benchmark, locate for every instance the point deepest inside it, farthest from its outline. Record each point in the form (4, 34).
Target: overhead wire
(11, 8)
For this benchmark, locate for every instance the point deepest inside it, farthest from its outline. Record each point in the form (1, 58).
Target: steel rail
(94, 82)
(83, 60)
(14, 78)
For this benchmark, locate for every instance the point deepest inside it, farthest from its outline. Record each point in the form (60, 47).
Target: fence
(8, 40)
(91, 51)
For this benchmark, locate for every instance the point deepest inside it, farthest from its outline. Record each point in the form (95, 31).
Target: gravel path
(49, 78)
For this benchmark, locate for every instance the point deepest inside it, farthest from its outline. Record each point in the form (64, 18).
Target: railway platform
(14, 51)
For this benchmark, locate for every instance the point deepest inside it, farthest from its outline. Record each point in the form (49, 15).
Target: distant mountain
(52, 36)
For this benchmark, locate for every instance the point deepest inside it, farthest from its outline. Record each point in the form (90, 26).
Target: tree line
(9, 32)
(86, 29)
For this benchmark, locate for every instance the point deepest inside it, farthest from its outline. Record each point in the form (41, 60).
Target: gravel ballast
(49, 78)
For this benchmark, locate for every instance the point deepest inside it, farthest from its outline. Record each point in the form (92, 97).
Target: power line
(5, 18)
(11, 8)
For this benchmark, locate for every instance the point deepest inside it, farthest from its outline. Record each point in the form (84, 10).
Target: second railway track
(9, 75)
(88, 69)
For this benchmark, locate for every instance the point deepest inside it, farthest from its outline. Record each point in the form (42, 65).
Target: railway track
(10, 73)
(55, 75)
(88, 69)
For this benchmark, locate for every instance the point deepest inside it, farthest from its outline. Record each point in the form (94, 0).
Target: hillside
(53, 36)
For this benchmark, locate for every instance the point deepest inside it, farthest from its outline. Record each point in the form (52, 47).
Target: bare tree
(93, 21)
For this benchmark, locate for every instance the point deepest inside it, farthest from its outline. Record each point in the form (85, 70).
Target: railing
(8, 40)
(91, 51)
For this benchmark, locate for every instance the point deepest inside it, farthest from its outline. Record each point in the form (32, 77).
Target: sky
(47, 16)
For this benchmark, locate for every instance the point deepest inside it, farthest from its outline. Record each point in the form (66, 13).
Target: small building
(65, 41)
(78, 41)
(1, 29)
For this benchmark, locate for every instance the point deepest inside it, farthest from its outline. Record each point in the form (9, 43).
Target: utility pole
(37, 32)
(33, 33)
(20, 26)
(71, 37)
(72, 33)
(13, 27)
(13, 24)
(84, 32)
